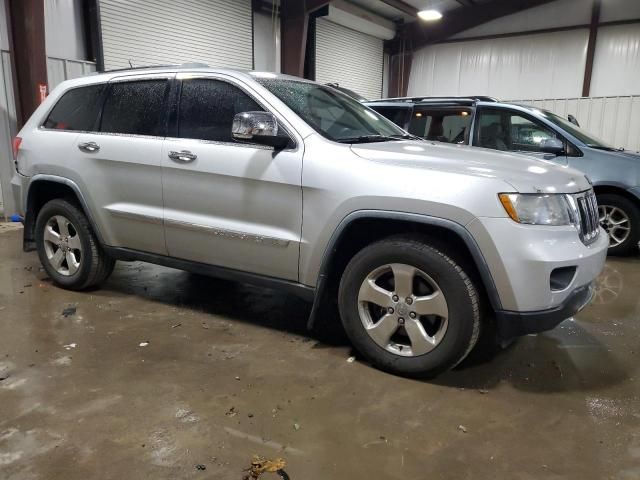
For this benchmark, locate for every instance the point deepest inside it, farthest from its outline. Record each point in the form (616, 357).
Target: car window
(136, 107)
(510, 131)
(396, 115)
(207, 108)
(76, 110)
(449, 125)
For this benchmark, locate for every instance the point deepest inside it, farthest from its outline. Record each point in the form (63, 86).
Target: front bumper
(523, 258)
(515, 324)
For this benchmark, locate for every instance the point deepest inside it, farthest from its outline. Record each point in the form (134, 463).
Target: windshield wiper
(369, 139)
(406, 136)
(602, 147)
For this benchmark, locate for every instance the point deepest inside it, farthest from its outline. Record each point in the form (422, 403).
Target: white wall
(616, 67)
(532, 66)
(266, 43)
(536, 66)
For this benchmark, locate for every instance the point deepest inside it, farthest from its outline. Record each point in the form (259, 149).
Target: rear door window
(76, 110)
(135, 108)
(207, 108)
(450, 125)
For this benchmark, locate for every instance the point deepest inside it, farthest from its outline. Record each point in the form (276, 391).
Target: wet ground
(161, 371)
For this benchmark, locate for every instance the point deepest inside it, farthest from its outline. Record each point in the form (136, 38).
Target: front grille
(587, 216)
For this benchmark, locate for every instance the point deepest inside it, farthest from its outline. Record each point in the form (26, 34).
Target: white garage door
(156, 32)
(350, 58)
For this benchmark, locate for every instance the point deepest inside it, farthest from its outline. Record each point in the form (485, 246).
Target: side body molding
(458, 229)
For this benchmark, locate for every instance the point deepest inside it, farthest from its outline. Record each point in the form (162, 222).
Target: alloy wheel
(403, 309)
(62, 245)
(616, 223)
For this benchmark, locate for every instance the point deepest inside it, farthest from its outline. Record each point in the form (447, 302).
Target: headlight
(538, 209)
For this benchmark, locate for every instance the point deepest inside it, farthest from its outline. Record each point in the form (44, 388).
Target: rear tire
(419, 327)
(620, 217)
(68, 249)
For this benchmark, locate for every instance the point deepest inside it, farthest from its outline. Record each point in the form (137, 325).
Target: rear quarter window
(76, 110)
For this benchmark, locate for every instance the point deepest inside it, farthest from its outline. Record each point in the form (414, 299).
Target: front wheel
(408, 307)
(620, 218)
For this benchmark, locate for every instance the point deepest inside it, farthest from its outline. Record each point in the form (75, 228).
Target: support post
(294, 26)
(591, 48)
(28, 50)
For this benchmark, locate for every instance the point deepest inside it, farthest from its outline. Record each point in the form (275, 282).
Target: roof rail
(151, 67)
(478, 98)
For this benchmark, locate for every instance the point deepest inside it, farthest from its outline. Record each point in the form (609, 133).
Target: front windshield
(333, 114)
(580, 134)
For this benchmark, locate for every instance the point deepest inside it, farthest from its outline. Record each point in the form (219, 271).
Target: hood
(628, 156)
(524, 174)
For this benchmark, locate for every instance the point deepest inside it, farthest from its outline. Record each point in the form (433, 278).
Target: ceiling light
(430, 15)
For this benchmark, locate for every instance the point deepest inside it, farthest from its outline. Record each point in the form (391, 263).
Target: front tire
(409, 308)
(68, 249)
(620, 218)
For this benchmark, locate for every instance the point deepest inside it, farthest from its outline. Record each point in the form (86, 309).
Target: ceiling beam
(403, 7)
(455, 21)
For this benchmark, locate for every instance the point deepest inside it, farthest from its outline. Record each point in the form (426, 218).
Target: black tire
(631, 210)
(95, 265)
(462, 298)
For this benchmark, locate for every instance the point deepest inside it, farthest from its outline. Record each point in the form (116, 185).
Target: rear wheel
(621, 220)
(408, 307)
(68, 248)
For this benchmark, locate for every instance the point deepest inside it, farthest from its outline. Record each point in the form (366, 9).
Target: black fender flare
(29, 218)
(454, 227)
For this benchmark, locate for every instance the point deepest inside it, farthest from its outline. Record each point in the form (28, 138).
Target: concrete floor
(229, 372)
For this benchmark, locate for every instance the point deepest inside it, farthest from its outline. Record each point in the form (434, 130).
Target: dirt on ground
(166, 375)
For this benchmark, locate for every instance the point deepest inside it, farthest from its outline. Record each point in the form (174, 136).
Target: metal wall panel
(146, 32)
(616, 120)
(352, 59)
(61, 69)
(7, 132)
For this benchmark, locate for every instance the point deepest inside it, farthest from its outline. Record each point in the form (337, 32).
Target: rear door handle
(184, 156)
(89, 147)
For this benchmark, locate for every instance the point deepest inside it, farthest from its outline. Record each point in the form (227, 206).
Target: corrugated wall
(616, 120)
(146, 32)
(352, 59)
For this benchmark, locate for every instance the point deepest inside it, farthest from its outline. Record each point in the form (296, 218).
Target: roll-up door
(156, 32)
(350, 58)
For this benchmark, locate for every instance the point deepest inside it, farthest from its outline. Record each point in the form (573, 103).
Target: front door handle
(184, 156)
(89, 147)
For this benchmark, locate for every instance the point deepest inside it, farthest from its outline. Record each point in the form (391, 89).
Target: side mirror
(552, 145)
(258, 127)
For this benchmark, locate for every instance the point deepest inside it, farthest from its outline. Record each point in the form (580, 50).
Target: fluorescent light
(430, 15)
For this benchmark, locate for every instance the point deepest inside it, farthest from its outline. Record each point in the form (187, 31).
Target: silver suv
(282, 182)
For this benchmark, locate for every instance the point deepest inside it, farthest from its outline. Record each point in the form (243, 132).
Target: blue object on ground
(16, 218)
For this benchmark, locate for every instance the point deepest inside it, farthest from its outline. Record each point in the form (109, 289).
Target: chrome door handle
(89, 147)
(185, 156)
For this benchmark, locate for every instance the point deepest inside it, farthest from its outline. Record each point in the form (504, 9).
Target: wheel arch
(364, 227)
(614, 189)
(43, 188)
